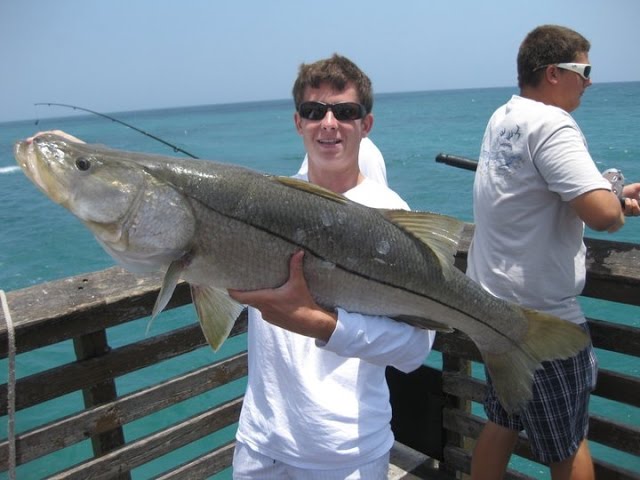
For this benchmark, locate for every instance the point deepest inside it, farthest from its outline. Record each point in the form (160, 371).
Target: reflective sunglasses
(582, 69)
(341, 111)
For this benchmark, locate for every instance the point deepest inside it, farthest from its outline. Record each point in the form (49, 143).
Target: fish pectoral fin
(217, 312)
(547, 338)
(311, 188)
(425, 323)
(440, 233)
(169, 282)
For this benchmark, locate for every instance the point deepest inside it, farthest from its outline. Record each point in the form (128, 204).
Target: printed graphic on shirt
(506, 154)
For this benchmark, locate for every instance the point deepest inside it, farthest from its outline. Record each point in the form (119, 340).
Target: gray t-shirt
(528, 243)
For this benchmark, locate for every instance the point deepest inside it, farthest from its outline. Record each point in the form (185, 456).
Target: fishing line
(11, 387)
(75, 107)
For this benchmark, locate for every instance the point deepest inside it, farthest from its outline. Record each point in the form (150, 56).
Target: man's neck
(338, 182)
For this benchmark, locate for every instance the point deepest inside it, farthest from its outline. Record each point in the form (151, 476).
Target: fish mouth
(37, 168)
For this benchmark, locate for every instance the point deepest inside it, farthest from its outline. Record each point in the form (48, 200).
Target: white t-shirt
(315, 405)
(370, 161)
(528, 243)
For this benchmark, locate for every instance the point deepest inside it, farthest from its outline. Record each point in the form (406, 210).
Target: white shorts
(251, 465)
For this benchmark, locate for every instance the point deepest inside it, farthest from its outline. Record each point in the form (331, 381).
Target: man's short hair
(547, 45)
(337, 71)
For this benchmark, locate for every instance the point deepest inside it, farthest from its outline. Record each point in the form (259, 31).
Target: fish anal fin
(217, 312)
(311, 188)
(440, 233)
(547, 338)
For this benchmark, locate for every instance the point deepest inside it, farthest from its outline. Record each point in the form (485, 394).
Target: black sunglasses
(342, 111)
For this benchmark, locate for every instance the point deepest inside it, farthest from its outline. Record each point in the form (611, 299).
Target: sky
(124, 55)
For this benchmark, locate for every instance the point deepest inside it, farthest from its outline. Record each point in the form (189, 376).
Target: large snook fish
(221, 226)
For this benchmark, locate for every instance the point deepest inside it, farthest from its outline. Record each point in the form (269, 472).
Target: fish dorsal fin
(311, 188)
(440, 233)
(217, 312)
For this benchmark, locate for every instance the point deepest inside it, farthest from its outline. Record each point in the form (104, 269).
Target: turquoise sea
(40, 241)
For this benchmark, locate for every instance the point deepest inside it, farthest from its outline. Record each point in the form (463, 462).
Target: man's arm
(291, 305)
(600, 209)
(376, 339)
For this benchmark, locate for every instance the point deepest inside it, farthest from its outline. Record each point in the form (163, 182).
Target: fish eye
(83, 164)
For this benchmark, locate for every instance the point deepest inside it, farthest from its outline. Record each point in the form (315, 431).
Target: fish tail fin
(548, 338)
(217, 312)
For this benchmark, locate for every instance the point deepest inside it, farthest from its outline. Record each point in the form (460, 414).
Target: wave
(9, 169)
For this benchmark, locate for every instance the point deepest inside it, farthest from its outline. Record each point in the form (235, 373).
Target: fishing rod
(457, 161)
(75, 107)
(615, 176)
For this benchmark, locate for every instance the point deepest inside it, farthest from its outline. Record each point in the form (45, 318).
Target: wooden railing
(115, 418)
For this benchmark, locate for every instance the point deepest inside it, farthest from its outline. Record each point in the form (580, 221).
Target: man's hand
(631, 194)
(291, 305)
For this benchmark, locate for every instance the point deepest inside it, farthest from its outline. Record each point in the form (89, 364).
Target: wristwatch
(616, 178)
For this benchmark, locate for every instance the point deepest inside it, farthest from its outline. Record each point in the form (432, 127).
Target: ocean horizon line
(223, 105)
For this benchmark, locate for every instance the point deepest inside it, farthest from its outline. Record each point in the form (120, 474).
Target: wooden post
(453, 364)
(89, 346)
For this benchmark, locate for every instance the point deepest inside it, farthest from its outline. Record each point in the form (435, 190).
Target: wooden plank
(470, 425)
(618, 386)
(61, 380)
(625, 438)
(204, 466)
(71, 377)
(405, 463)
(70, 430)
(461, 460)
(61, 310)
(154, 446)
(464, 386)
(615, 337)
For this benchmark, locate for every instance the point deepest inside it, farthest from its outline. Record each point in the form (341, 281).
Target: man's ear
(297, 120)
(367, 124)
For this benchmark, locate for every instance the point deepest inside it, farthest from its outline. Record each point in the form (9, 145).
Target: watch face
(616, 178)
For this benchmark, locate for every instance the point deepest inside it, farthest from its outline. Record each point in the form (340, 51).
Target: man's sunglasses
(582, 69)
(341, 111)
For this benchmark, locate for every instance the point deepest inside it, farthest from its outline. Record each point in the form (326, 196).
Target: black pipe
(457, 161)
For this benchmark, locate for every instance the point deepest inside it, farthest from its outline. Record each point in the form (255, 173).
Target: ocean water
(40, 241)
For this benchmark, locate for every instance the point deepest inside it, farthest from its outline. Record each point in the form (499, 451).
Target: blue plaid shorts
(557, 418)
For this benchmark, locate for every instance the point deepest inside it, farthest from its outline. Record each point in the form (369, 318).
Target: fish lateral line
(367, 277)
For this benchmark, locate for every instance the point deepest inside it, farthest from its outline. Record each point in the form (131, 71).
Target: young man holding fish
(535, 188)
(317, 402)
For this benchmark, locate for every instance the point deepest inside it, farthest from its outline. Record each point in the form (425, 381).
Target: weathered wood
(615, 337)
(61, 380)
(461, 459)
(470, 425)
(625, 438)
(153, 446)
(83, 307)
(618, 386)
(61, 310)
(94, 345)
(93, 421)
(203, 467)
(454, 365)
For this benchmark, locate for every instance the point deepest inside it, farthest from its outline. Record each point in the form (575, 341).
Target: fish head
(141, 221)
(75, 176)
